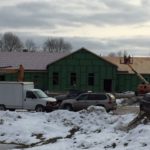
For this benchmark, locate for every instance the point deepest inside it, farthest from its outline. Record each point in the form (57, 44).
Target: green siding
(129, 82)
(81, 63)
(39, 78)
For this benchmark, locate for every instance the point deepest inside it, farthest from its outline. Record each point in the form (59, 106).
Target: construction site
(126, 77)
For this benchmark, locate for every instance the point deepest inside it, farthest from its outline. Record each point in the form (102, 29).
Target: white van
(22, 95)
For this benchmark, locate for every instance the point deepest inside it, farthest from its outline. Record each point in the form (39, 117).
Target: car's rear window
(97, 97)
(82, 97)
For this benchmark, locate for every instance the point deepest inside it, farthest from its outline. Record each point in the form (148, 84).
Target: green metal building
(82, 69)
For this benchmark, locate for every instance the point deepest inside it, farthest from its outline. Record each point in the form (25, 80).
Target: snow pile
(120, 102)
(92, 129)
(26, 128)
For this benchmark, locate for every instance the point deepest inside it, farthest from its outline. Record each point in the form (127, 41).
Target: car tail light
(110, 100)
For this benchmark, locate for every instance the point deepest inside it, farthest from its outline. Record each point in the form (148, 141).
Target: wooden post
(21, 73)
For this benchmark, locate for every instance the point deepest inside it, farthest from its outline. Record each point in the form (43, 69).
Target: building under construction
(81, 69)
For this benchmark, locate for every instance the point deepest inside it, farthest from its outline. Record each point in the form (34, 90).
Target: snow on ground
(92, 129)
(120, 101)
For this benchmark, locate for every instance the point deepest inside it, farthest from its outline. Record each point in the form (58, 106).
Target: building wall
(81, 63)
(129, 82)
(38, 77)
(126, 82)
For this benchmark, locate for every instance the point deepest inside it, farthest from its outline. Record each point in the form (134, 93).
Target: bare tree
(116, 54)
(11, 42)
(112, 54)
(56, 45)
(30, 45)
(120, 54)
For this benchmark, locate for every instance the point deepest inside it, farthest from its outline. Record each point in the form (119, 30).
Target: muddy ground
(127, 109)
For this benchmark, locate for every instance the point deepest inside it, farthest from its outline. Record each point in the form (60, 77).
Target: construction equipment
(141, 118)
(142, 88)
(9, 69)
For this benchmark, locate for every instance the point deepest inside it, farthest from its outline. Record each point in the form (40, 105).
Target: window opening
(55, 78)
(91, 77)
(73, 79)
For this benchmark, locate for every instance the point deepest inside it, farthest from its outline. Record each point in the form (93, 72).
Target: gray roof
(30, 60)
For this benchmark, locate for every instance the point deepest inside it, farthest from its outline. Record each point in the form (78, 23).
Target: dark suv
(85, 100)
(145, 103)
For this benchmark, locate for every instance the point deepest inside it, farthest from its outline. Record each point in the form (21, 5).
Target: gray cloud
(49, 14)
(24, 16)
(137, 46)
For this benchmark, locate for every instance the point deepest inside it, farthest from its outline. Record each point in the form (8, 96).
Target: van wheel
(68, 107)
(39, 108)
(2, 108)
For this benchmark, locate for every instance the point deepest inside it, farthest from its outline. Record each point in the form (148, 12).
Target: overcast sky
(102, 26)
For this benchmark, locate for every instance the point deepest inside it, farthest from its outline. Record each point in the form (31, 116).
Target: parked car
(145, 103)
(85, 100)
(72, 93)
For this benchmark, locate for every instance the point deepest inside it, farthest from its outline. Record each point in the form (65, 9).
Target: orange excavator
(19, 71)
(142, 88)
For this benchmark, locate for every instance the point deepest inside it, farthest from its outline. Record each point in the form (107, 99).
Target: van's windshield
(40, 94)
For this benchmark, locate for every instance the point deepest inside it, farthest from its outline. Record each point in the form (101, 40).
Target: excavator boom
(142, 88)
(139, 75)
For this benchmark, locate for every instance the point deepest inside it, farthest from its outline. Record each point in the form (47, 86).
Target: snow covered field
(92, 129)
